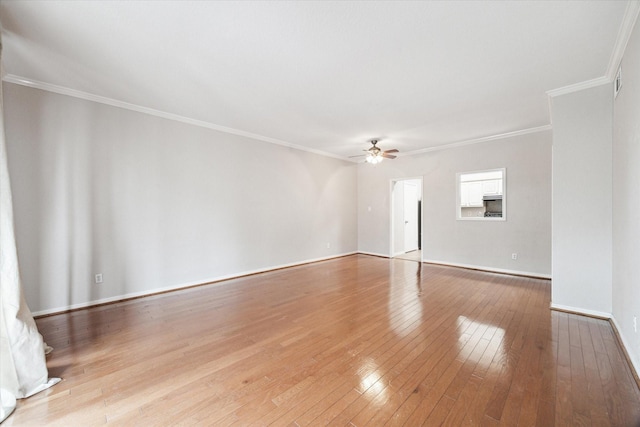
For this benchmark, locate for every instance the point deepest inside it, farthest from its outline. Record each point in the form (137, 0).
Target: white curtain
(23, 368)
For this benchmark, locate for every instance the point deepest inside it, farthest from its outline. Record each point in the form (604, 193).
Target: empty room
(345, 213)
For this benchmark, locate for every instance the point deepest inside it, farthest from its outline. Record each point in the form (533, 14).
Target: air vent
(617, 84)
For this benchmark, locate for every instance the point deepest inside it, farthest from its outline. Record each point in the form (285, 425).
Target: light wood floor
(411, 256)
(358, 340)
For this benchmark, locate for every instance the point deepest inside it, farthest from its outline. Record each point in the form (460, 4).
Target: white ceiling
(324, 76)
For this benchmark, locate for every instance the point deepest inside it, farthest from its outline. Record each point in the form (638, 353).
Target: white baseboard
(374, 254)
(214, 280)
(583, 311)
(490, 269)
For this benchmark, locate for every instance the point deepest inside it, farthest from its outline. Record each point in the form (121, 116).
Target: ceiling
(322, 76)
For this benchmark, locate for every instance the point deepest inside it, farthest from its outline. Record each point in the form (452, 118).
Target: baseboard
(490, 269)
(581, 311)
(156, 291)
(374, 254)
(635, 369)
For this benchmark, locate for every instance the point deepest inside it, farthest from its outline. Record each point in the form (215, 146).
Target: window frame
(459, 206)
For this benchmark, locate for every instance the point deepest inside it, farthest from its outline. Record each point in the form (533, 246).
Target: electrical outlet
(328, 245)
(98, 278)
(514, 256)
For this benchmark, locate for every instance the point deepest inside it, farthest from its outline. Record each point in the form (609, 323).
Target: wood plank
(564, 391)
(597, 403)
(617, 392)
(357, 340)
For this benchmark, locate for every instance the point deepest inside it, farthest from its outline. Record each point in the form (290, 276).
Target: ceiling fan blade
(388, 156)
(393, 150)
(359, 155)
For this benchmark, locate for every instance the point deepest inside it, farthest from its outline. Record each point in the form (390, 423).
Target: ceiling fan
(375, 154)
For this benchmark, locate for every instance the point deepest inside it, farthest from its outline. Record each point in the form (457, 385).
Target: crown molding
(624, 34)
(478, 140)
(579, 86)
(11, 78)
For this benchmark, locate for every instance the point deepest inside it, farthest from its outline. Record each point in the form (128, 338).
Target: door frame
(393, 213)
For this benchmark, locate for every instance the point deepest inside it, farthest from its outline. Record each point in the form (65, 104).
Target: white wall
(527, 230)
(152, 203)
(582, 212)
(626, 200)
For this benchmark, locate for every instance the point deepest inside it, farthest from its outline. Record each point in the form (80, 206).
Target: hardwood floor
(358, 340)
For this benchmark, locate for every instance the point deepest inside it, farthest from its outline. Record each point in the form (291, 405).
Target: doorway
(406, 219)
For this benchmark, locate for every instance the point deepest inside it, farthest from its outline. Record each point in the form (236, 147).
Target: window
(481, 195)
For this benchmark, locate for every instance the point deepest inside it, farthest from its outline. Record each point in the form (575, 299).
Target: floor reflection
(371, 381)
(468, 328)
(405, 290)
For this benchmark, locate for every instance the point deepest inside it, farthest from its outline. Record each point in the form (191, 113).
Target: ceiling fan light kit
(374, 158)
(375, 155)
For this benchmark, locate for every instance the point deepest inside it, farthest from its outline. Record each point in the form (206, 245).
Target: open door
(406, 217)
(411, 237)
